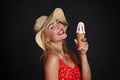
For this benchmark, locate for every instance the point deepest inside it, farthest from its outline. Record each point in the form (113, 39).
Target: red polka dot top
(68, 73)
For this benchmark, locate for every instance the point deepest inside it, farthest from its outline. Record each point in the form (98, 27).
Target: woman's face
(55, 31)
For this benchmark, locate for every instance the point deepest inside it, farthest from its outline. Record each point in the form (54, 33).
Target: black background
(21, 54)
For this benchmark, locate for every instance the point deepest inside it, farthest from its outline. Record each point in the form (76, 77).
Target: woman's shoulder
(50, 56)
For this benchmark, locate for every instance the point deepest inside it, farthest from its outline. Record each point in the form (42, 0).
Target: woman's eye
(51, 27)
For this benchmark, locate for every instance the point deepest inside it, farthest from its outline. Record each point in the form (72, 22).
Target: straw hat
(42, 22)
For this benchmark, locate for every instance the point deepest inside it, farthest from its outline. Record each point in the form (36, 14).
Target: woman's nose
(58, 26)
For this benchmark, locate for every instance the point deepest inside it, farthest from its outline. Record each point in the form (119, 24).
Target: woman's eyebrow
(50, 24)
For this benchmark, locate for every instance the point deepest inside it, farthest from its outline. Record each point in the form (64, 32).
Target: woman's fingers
(75, 40)
(84, 39)
(83, 47)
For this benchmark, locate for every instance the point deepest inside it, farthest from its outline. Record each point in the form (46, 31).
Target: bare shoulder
(51, 65)
(51, 58)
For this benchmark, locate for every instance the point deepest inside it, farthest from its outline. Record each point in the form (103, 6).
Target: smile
(60, 32)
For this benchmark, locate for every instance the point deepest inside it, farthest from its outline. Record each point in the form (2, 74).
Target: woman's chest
(69, 73)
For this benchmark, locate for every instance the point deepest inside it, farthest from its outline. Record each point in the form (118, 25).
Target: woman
(59, 63)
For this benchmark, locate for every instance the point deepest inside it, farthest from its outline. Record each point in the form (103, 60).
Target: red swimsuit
(68, 73)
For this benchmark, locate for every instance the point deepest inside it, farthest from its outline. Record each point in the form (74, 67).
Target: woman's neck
(59, 46)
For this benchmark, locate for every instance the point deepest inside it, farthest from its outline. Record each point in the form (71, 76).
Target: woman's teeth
(61, 32)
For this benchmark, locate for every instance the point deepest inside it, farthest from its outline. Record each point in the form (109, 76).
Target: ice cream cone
(80, 32)
(80, 36)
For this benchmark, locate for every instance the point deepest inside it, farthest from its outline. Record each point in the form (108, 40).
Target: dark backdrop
(21, 54)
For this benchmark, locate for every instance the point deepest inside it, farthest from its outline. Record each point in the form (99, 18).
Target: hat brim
(57, 14)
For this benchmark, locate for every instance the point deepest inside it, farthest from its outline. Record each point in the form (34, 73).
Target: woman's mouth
(60, 32)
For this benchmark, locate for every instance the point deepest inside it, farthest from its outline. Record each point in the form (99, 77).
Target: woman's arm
(86, 73)
(82, 49)
(51, 67)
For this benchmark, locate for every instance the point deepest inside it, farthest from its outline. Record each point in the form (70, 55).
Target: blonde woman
(60, 63)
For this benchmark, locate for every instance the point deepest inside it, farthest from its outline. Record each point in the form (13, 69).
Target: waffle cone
(80, 37)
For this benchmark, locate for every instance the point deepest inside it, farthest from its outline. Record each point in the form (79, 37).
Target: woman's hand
(83, 47)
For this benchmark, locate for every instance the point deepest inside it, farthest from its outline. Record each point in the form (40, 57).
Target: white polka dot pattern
(68, 73)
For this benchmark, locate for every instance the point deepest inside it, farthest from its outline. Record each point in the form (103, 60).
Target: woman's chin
(64, 36)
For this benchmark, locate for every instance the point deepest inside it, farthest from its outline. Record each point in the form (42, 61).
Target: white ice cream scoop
(80, 28)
